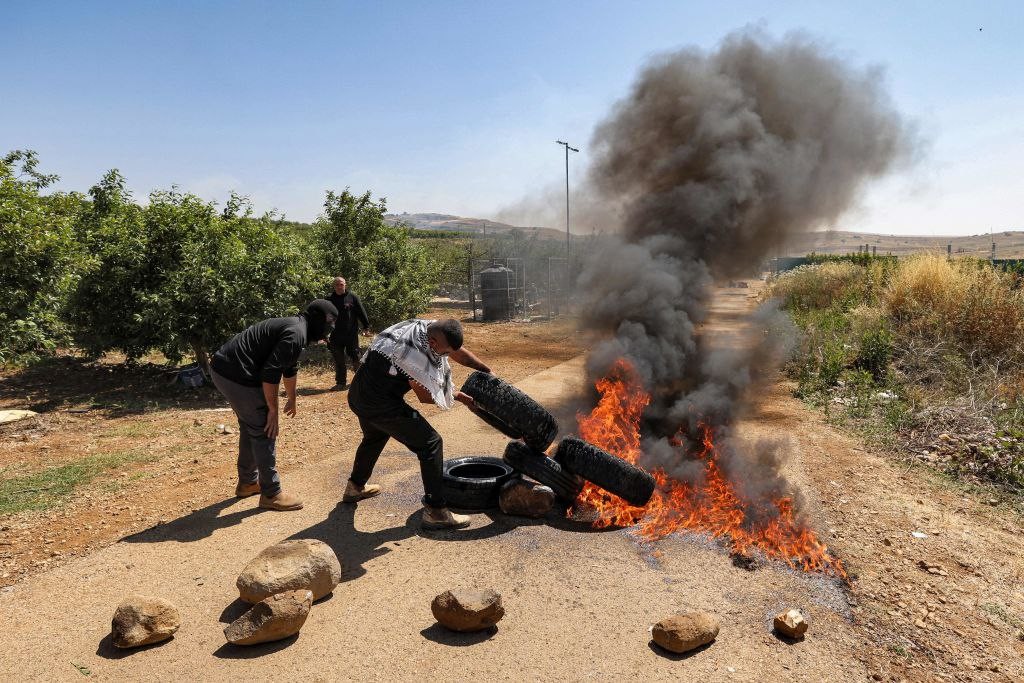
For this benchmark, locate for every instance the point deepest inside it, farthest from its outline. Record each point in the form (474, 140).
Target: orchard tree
(394, 276)
(178, 276)
(39, 257)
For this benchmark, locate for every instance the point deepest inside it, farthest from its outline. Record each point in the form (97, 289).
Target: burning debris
(711, 161)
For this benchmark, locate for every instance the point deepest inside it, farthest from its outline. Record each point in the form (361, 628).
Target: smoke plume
(712, 161)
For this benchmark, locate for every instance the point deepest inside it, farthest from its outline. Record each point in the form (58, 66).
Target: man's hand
(271, 429)
(465, 399)
(289, 407)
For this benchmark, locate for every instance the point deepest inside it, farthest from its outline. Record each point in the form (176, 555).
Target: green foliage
(47, 488)
(874, 352)
(394, 275)
(177, 276)
(39, 258)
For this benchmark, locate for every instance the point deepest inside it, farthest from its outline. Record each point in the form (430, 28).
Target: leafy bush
(39, 258)
(393, 275)
(177, 276)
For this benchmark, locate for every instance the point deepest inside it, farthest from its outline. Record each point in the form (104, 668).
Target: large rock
(304, 564)
(466, 609)
(525, 498)
(279, 616)
(142, 620)
(791, 624)
(684, 632)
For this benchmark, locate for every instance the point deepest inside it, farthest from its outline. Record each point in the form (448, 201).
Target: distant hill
(476, 226)
(1009, 244)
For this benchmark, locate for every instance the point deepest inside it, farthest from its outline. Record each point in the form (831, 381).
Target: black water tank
(497, 289)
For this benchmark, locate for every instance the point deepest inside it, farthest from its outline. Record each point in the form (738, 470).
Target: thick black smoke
(711, 162)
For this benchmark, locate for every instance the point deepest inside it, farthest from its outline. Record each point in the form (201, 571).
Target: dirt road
(578, 602)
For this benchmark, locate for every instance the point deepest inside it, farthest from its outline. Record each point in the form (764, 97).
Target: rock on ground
(277, 617)
(526, 498)
(143, 620)
(465, 609)
(684, 632)
(304, 564)
(791, 624)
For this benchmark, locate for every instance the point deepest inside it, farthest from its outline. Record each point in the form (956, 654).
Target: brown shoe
(246, 490)
(282, 502)
(443, 518)
(354, 494)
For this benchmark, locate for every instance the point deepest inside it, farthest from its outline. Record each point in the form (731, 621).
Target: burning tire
(473, 482)
(540, 467)
(510, 411)
(613, 474)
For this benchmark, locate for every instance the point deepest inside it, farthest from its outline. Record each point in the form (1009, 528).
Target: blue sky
(454, 107)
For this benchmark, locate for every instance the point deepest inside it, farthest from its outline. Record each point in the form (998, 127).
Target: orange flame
(714, 507)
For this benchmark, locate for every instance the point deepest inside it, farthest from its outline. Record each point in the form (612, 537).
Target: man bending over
(248, 370)
(410, 355)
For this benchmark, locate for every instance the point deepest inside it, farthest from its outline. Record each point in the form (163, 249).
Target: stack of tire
(473, 483)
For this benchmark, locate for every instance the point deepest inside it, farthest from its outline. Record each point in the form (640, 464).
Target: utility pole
(567, 150)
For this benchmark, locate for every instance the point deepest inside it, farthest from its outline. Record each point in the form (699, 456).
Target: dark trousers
(257, 454)
(341, 346)
(406, 426)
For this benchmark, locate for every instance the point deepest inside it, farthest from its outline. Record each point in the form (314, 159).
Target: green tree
(39, 257)
(178, 276)
(394, 275)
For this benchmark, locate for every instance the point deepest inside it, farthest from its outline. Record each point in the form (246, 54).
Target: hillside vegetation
(923, 353)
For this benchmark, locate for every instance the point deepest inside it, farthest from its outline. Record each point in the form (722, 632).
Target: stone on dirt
(526, 498)
(791, 624)
(143, 620)
(684, 632)
(275, 618)
(304, 564)
(467, 609)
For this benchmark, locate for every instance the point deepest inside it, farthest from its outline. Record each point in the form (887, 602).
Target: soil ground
(943, 604)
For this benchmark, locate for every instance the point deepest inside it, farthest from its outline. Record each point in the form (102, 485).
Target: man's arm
(361, 313)
(270, 394)
(466, 357)
(421, 392)
(289, 388)
(424, 396)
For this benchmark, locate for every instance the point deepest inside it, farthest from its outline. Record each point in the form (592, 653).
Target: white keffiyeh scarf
(405, 345)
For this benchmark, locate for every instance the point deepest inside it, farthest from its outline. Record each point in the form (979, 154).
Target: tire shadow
(440, 634)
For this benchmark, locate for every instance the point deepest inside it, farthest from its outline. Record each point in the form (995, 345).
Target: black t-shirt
(378, 387)
(263, 352)
(351, 314)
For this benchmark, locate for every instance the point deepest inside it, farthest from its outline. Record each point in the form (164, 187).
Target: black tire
(540, 467)
(611, 473)
(473, 482)
(522, 417)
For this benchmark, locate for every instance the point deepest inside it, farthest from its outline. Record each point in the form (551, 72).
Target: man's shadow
(355, 547)
(196, 525)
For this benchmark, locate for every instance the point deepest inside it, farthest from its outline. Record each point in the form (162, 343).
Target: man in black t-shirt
(345, 339)
(248, 370)
(411, 355)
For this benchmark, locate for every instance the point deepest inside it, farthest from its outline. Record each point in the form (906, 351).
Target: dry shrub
(819, 286)
(963, 304)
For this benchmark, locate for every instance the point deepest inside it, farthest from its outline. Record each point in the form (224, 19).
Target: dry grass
(966, 304)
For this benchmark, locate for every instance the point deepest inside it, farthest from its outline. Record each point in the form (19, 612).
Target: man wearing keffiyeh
(412, 354)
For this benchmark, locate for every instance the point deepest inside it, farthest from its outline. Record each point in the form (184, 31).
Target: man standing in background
(345, 339)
